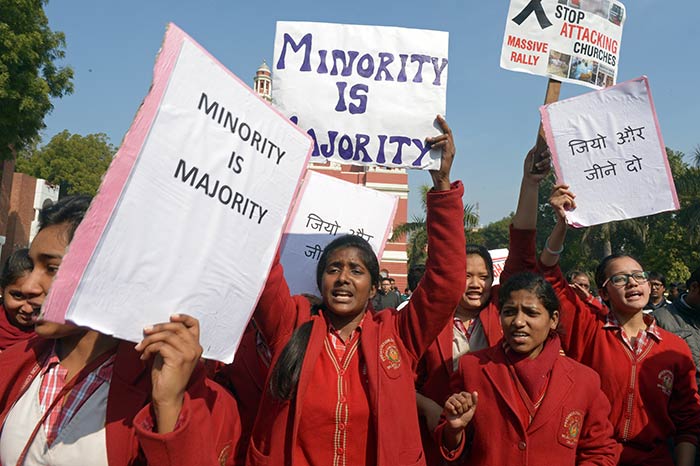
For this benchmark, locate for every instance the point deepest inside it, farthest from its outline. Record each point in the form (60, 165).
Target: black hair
(533, 283)
(349, 241)
(284, 377)
(70, 210)
(694, 277)
(658, 276)
(479, 250)
(575, 273)
(16, 266)
(600, 275)
(415, 273)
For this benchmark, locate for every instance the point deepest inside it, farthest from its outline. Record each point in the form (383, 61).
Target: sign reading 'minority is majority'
(368, 95)
(190, 213)
(576, 41)
(607, 147)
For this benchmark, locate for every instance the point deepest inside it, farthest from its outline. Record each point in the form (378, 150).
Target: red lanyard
(94, 364)
(466, 331)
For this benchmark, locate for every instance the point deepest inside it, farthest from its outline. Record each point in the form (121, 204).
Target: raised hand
(562, 201)
(582, 293)
(445, 142)
(175, 349)
(538, 164)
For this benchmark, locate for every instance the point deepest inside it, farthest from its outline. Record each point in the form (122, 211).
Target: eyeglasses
(656, 284)
(621, 279)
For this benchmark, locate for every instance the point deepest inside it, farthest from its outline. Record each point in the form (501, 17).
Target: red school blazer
(391, 383)
(570, 427)
(435, 369)
(209, 427)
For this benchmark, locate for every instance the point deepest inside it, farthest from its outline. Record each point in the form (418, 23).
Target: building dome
(263, 69)
(262, 83)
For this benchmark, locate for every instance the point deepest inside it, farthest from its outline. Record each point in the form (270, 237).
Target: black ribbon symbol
(536, 6)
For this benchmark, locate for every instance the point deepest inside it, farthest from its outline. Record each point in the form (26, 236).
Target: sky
(493, 113)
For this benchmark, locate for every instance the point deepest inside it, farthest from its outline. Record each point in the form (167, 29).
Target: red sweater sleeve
(684, 403)
(521, 253)
(456, 386)
(433, 302)
(278, 312)
(596, 446)
(207, 432)
(577, 320)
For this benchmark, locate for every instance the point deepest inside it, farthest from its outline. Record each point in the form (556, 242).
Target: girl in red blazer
(341, 388)
(72, 395)
(647, 373)
(522, 402)
(16, 322)
(476, 323)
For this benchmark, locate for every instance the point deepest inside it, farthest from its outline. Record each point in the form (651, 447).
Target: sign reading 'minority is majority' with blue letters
(367, 95)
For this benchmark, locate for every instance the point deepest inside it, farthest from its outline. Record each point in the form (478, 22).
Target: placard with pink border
(607, 146)
(191, 211)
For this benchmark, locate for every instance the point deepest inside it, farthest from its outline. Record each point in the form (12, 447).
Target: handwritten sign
(498, 257)
(367, 95)
(317, 221)
(607, 146)
(191, 211)
(576, 41)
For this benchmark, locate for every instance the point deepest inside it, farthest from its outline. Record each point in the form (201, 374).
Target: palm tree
(623, 234)
(417, 234)
(688, 188)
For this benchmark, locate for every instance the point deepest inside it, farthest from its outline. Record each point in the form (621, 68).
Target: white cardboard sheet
(368, 95)
(607, 147)
(191, 211)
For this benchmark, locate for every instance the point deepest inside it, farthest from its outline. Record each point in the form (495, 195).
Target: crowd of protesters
(537, 370)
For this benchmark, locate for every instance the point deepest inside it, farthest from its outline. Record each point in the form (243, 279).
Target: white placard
(576, 41)
(191, 212)
(368, 95)
(498, 256)
(317, 221)
(607, 147)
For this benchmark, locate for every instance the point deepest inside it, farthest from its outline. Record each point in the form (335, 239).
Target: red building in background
(389, 180)
(29, 195)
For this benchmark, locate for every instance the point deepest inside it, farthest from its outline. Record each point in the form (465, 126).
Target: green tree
(688, 189)
(417, 234)
(496, 234)
(29, 74)
(76, 163)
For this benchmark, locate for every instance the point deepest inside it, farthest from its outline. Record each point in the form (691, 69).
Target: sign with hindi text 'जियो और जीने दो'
(317, 221)
(607, 146)
(191, 211)
(576, 41)
(368, 95)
